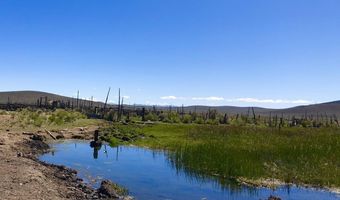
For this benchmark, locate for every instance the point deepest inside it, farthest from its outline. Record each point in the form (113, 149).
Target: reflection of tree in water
(96, 144)
(105, 151)
(96, 147)
(95, 151)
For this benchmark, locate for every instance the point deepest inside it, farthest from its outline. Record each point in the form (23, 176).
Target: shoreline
(24, 176)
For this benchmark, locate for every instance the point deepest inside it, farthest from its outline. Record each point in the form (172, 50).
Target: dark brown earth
(23, 176)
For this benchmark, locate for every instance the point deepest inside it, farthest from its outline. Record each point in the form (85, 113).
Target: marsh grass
(294, 155)
(121, 134)
(121, 190)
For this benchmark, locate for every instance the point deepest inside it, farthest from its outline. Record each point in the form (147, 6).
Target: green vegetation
(212, 117)
(3, 112)
(39, 117)
(293, 155)
(62, 116)
(304, 150)
(31, 119)
(120, 190)
(121, 134)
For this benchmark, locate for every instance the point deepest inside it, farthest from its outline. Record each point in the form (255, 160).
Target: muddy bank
(23, 176)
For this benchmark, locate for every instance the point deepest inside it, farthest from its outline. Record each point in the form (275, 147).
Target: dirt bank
(23, 176)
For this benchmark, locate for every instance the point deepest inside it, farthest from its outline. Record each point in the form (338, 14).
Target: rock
(78, 137)
(107, 189)
(271, 197)
(37, 145)
(60, 136)
(38, 137)
(126, 139)
(19, 154)
(27, 133)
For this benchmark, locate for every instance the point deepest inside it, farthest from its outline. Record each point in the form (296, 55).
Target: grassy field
(226, 152)
(294, 155)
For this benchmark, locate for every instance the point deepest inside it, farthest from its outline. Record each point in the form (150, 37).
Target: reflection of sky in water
(150, 176)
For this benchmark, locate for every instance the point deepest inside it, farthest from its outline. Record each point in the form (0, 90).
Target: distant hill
(229, 109)
(28, 97)
(31, 97)
(330, 108)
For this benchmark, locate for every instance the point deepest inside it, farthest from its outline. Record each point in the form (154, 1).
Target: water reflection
(157, 175)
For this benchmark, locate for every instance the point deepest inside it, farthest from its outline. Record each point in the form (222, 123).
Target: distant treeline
(178, 115)
(135, 113)
(213, 117)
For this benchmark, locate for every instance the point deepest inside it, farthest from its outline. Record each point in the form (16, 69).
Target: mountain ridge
(30, 97)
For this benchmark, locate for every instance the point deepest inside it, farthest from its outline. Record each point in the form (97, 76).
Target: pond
(150, 175)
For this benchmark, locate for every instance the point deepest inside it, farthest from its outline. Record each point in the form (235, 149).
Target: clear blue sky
(271, 53)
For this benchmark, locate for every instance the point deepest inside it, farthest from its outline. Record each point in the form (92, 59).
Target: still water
(149, 175)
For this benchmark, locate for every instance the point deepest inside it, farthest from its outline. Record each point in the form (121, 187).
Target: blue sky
(265, 53)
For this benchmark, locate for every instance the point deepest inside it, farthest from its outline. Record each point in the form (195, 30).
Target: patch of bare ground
(23, 176)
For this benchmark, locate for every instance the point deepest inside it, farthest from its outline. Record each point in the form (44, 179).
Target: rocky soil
(23, 176)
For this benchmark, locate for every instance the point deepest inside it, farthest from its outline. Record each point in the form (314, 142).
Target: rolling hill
(329, 108)
(31, 97)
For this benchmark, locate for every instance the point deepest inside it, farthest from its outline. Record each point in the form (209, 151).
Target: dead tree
(107, 97)
(276, 121)
(78, 99)
(254, 116)
(225, 119)
(121, 109)
(118, 105)
(143, 114)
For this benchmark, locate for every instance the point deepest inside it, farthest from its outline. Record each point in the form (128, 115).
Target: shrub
(2, 112)
(199, 120)
(174, 117)
(212, 122)
(151, 117)
(187, 119)
(60, 117)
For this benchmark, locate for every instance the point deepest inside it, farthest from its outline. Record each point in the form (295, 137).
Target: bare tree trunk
(107, 97)
(77, 99)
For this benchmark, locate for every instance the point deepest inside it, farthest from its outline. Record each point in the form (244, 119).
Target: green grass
(31, 120)
(121, 134)
(294, 155)
(120, 190)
